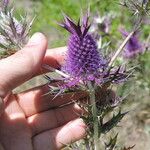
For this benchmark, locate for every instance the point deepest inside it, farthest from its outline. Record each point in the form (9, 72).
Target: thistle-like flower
(83, 59)
(133, 47)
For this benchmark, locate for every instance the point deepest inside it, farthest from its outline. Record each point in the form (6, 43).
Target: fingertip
(37, 44)
(55, 57)
(36, 39)
(60, 137)
(36, 47)
(71, 132)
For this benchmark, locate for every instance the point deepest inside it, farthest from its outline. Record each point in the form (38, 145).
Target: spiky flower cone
(83, 58)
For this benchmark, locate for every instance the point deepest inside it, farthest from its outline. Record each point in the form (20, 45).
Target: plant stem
(45, 66)
(121, 48)
(95, 118)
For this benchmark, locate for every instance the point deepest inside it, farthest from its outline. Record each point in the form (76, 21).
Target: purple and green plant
(85, 69)
(88, 70)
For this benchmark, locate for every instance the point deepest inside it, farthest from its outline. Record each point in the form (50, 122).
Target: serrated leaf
(106, 127)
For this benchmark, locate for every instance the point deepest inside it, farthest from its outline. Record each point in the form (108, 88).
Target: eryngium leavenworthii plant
(86, 69)
(13, 32)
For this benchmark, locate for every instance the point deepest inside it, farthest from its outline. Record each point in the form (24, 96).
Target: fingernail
(35, 39)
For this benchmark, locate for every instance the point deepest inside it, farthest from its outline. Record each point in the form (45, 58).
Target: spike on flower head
(73, 28)
(83, 58)
(133, 47)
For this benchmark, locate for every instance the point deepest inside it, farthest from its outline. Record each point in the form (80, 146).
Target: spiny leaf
(106, 127)
(112, 143)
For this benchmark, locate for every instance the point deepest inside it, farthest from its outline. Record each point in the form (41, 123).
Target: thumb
(21, 66)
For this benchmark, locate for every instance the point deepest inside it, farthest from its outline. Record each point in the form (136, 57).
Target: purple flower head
(133, 47)
(84, 63)
(83, 59)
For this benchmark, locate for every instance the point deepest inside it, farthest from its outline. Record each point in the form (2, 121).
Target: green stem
(95, 118)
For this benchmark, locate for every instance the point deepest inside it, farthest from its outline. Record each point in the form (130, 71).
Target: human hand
(30, 120)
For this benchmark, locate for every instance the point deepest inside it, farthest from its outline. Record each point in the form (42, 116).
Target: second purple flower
(133, 47)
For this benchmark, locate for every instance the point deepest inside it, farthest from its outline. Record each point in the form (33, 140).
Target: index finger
(36, 100)
(54, 57)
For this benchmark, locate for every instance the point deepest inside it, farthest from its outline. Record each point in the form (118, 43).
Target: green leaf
(112, 143)
(106, 127)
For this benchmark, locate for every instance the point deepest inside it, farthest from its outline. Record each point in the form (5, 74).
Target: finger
(33, 101)
(53, 118)
(55, 57)
(60, 137)
(14, 131)
(21, 66)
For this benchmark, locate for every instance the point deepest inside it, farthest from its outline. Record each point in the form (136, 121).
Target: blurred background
(135, 127)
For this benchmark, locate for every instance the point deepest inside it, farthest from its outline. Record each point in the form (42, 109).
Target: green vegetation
(50, 12)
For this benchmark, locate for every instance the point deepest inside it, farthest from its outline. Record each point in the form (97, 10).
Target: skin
(29, 120)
